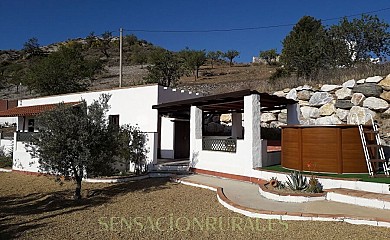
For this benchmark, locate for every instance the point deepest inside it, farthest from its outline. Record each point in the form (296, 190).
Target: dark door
(182, 139)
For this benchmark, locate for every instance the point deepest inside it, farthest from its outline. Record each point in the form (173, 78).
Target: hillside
(217, 79)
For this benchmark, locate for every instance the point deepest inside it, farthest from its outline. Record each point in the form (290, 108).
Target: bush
(5, 162)
(280, 73)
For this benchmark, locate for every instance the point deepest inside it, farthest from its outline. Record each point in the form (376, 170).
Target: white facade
(133, 105)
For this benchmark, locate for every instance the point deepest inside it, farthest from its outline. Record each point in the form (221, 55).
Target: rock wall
(339, 104)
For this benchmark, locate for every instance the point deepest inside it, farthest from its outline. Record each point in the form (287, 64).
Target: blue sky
(53, 21)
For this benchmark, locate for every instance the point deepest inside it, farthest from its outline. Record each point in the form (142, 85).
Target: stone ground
(36, 207)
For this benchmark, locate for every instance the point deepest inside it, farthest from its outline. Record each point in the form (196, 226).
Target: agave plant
(314, 186)
(296, 181)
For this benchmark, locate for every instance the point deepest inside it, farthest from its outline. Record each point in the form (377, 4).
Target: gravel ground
(36, 207)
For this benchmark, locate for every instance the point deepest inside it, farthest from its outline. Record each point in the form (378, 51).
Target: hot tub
(323, 148)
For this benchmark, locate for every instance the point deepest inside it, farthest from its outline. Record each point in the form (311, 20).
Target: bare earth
(36, 207)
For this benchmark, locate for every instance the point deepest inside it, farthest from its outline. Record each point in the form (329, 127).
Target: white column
(252, 134)
(195, 132)
(293, 114)
(236, 125)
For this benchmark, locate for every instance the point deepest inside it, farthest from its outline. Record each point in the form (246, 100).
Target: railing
(24, 136)
(219, 144)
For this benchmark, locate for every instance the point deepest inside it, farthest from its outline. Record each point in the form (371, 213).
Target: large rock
(226, 118)
(320, 98)
(280, 94)
(304, 95)
(329, 87)
(377, 104)
(374, 79)
(343, 104)
(304, 87)
(307, 121)
(344, 93)
(368, 89)
(303, 103)
(361, 81)
(385, 83)
(264, 125)
(360, 114)
(385, 95)
(327, 109)
(328, 120)
(386, 114)
(282, 117)
(349, 84)
(310, 112)
(292, 94)
(267, 117)
(357, 99)
(276, 124)
(342, 114)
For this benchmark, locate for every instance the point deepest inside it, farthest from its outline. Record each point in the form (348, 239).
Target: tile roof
(31, 110)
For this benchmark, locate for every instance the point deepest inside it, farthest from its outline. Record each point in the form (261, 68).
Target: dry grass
(38, 208)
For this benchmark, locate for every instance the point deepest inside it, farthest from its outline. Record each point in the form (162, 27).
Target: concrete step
(360, 198)
(171, 168)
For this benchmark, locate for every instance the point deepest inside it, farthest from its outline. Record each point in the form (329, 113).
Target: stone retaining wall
(338, 104)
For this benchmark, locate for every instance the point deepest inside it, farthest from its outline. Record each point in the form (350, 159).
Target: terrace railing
(219, 144)
(24, 136)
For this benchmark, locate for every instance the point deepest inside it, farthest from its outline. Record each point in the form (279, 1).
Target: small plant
(296, 181)
(275, 183)
(314, 185)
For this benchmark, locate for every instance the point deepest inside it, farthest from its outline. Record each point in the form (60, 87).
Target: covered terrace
(241, 151)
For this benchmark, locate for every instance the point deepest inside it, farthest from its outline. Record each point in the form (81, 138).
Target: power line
(245, 28)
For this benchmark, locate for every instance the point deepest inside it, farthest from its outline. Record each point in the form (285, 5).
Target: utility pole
(120, 56)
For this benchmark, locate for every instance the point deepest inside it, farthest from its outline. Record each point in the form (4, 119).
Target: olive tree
(76, 140)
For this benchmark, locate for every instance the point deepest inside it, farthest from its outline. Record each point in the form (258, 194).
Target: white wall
(133, 105)
(8, 120)
(248, 150)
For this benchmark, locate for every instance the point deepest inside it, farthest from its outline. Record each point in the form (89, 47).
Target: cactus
(296, 181)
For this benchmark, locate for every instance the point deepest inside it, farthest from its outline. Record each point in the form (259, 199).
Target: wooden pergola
(222, 103)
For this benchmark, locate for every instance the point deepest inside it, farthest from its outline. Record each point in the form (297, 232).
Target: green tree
(269, 56)
(63, 71)
(230, 55)
(192, 60)
(364, 38)
(132, 147)
(74, 140)
(32, 48)
(91, 40)
(139, 55)
(214, 56)
(165, 69)
(130, 40)
(103, 43)
(305, 48)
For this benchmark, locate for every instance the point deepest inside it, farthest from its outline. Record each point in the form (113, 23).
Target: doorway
(182, 140)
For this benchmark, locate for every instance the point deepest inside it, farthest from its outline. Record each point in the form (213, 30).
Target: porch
(242, 148)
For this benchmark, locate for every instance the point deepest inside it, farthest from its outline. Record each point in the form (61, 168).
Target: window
(31, 125)
(113, 120)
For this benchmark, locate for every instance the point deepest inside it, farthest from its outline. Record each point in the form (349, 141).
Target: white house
(174, 123)
(131, 105)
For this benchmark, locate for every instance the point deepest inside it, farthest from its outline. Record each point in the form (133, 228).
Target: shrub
(296, 181)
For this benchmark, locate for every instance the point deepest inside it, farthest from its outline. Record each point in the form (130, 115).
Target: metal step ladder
(373, 149)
